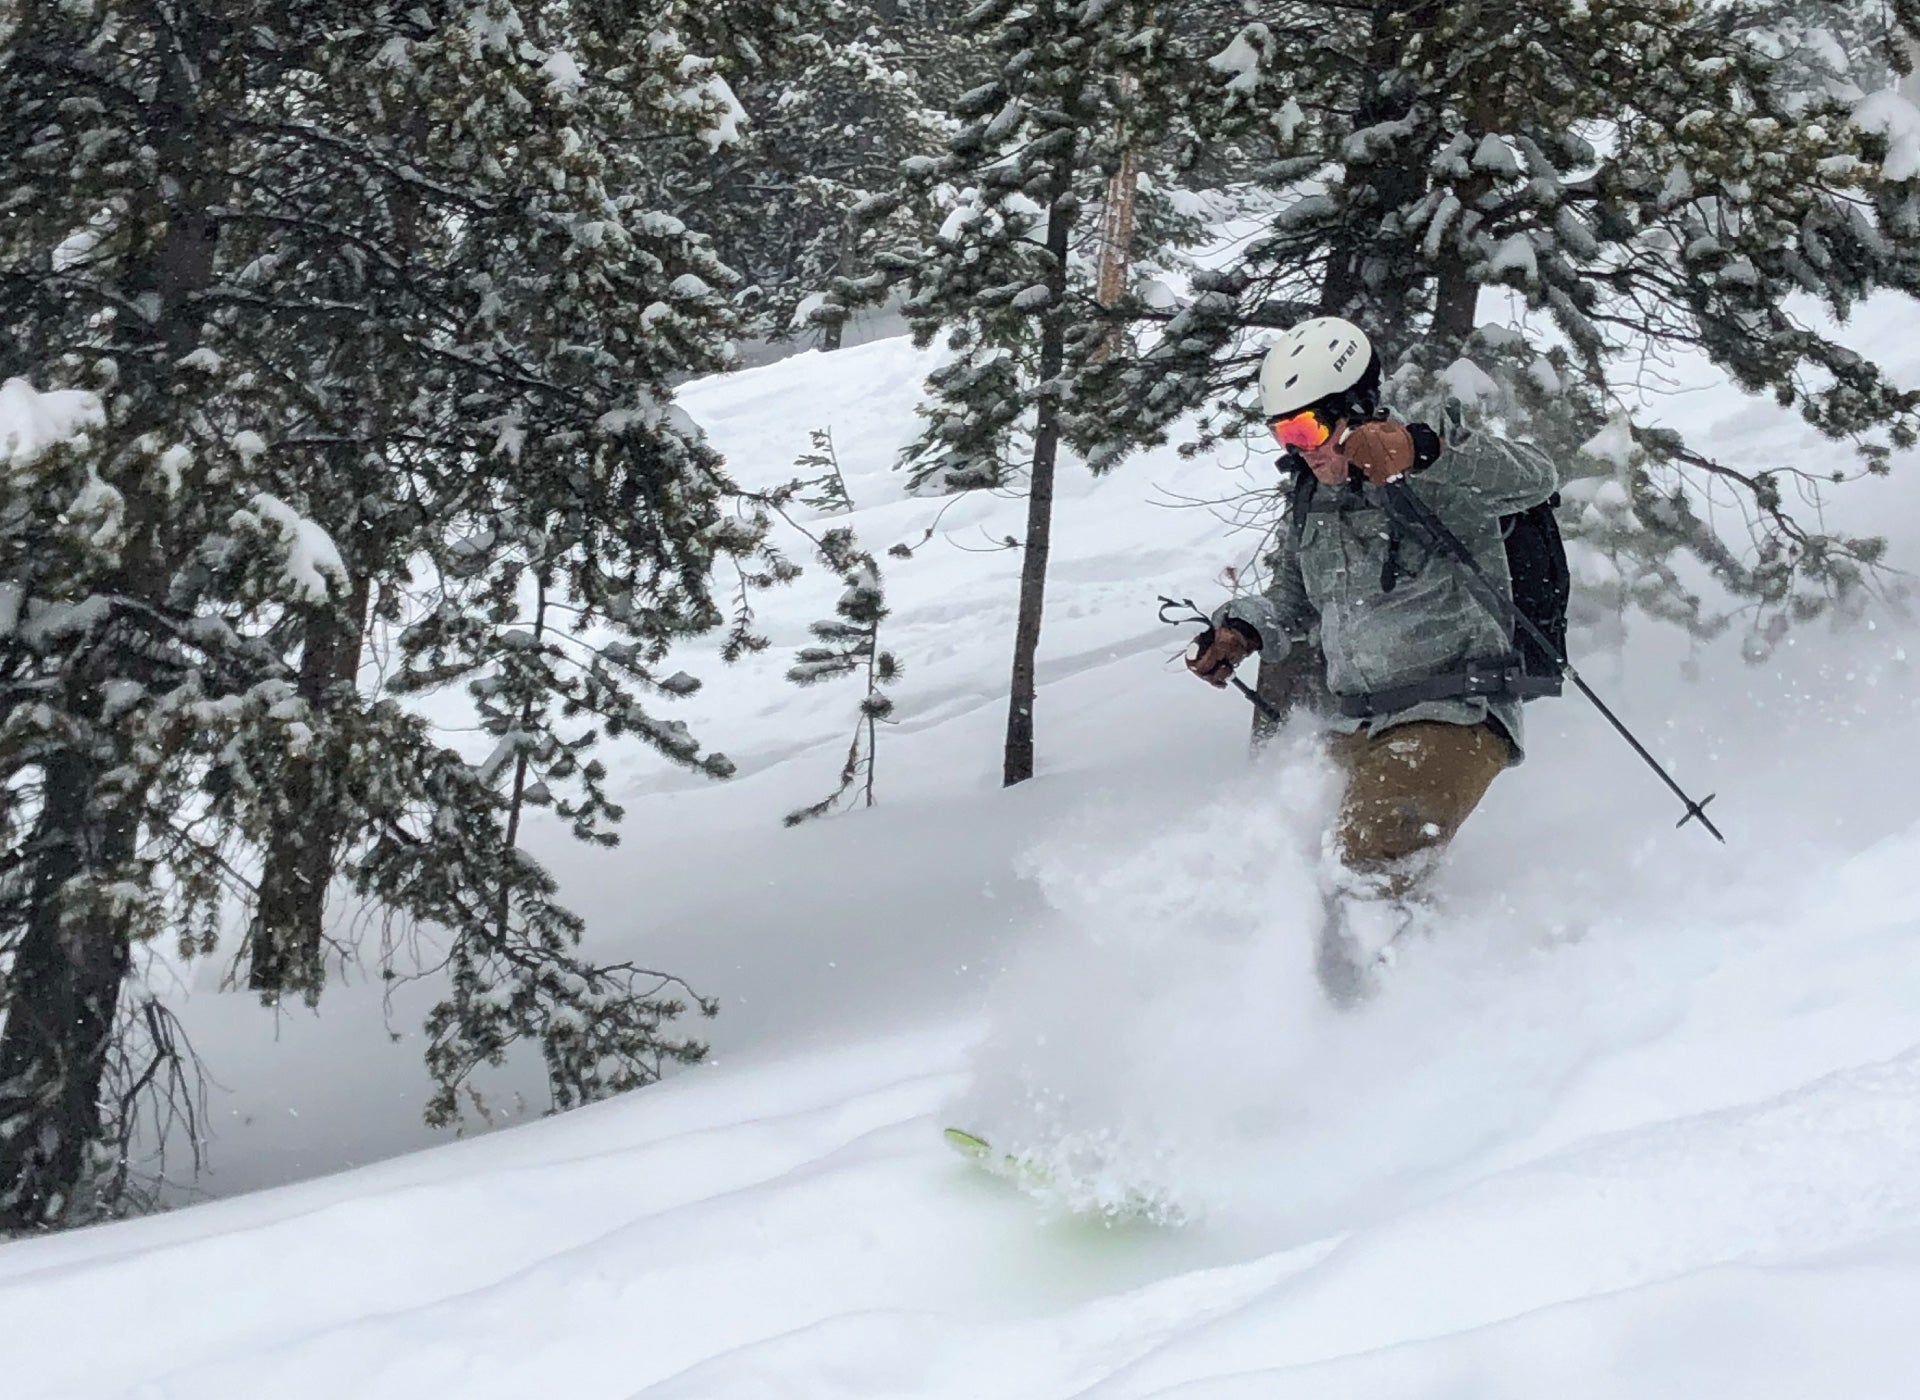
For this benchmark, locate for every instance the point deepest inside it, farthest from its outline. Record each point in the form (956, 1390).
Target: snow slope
(1644, 1122)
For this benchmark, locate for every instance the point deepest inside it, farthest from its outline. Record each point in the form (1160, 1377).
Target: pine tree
(354, 284)
(137, 699)
(848, 644)
(126, 555)
(1007, 278)
(1639, 175)
(827, 131)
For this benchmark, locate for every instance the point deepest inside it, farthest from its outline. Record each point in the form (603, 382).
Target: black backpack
(1542, 585)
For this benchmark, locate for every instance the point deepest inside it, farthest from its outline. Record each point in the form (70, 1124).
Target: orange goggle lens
(1301, 430)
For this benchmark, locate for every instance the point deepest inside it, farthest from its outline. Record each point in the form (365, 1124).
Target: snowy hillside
(1644, 1122)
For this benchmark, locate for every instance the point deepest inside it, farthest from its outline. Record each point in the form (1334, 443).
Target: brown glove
(1381, 449)
(1215, 652)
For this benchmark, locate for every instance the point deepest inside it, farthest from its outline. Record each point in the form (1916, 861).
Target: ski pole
(1416, 513)
(1260, 702)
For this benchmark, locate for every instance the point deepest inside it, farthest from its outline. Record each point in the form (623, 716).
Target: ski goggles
(1302, 431)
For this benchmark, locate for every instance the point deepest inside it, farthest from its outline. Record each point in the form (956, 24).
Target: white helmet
(1313, 361)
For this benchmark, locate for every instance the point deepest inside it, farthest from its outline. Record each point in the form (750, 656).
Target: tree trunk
(1456, 304)
(1116, 242)
(834, 330)
(1377, 287)
(287, 941)
(1046, 451)
(62, 990)
(1116, 230)
(1456, 295)
(63, 993)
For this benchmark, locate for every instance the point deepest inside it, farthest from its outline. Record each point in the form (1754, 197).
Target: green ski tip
(977, 1149)
(1037, 1176)
(966, 1143)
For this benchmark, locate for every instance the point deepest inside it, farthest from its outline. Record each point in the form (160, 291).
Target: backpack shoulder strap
(1302, 500)
(1454, 414)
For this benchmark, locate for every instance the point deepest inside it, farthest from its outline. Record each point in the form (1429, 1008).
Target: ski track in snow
(1644, 1121)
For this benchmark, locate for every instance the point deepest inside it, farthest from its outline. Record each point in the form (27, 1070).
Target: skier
(1425, 678)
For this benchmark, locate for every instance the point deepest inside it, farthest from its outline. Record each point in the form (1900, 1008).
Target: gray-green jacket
(1430, 623)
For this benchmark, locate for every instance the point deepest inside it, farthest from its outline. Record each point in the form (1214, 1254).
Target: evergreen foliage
(356, 286)
(848, 644)
(1008, 281)
(827, 132)
(1643, 177)
(829, 487)
(134, 695)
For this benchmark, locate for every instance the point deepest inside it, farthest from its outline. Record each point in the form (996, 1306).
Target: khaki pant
(1408, 791)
